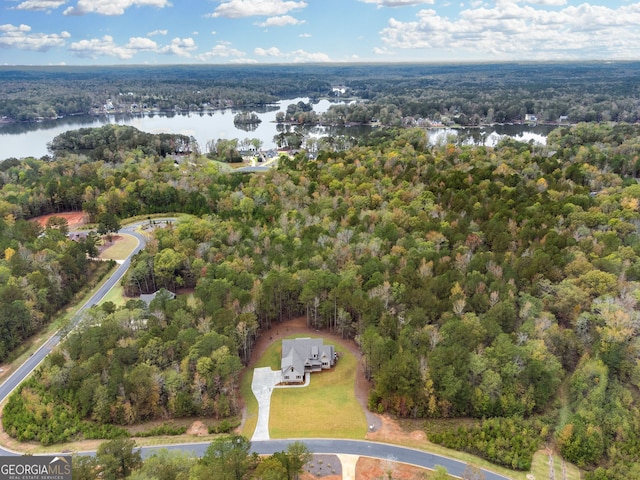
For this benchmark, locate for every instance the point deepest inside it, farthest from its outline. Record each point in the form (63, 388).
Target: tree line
(467, 94)
(226, 458)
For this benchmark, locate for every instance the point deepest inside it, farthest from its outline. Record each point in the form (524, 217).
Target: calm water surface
(31, 139)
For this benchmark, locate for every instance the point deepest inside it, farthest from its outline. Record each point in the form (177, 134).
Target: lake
(30, 139)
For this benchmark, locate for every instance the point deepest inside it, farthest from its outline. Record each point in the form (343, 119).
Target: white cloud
(100, 47)
(181, 47)
(305, 35)
(302, 56)
(141, 43)
(157, 32)
(383, 51)
(296, 56)
(20, 37)
(40, 5)
(223, 50)
(250, 8)
(270, 52)
(112, 7)
(281, 21)
(7, 27)
(557, 3)
(107, 47)
(398, 3)
(513, 31)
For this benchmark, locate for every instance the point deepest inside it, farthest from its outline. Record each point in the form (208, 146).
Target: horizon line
(324, 64)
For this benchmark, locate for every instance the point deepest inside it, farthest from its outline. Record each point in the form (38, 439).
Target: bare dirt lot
(74, 219)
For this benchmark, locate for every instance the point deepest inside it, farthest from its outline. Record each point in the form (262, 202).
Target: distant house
(149, 297)
(305, 355)
(77, 236)
(338, 90)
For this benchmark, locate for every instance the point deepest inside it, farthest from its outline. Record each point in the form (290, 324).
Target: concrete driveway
(263, 383)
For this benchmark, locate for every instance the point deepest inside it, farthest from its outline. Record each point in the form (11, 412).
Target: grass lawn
(121, 248)
(115, 295)
(326, 408)
(540, 467)
(251, 419)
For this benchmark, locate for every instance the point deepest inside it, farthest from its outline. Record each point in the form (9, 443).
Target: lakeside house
(305, 355)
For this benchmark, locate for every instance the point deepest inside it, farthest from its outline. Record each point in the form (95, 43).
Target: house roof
(292, 360)
(300, 352)
(148, 297)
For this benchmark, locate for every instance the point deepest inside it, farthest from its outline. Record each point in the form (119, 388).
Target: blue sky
(105, 32)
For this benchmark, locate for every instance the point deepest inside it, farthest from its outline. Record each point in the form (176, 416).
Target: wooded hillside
(479, 282)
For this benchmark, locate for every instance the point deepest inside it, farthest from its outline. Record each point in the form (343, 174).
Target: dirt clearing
(74, 219)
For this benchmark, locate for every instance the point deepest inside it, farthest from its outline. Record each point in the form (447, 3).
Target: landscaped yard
(326, 408)
(120, 248)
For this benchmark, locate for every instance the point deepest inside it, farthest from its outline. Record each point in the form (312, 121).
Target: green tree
(271, 468)
(440, 473)
(298, 455)
(84, 467)
(118, 458)
(165, 465)
(227, 458)
(108, 223)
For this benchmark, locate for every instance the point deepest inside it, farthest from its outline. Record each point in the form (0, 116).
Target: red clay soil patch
(198, 429)
(74, 219)
(374, 468)
(390, 431)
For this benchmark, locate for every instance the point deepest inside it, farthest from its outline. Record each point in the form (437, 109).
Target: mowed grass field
(326, 408)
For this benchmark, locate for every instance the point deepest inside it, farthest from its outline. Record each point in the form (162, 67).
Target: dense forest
(40, 272)
(465, 94)
(494, 283)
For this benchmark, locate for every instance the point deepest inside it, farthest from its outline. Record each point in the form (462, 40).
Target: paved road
(17, 377)
(351, 447)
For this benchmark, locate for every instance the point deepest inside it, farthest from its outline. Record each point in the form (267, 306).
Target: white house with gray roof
(305, 355)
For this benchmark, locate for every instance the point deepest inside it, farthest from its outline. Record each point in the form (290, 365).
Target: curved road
(382, 451)
(265, 447)
(24, 370)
